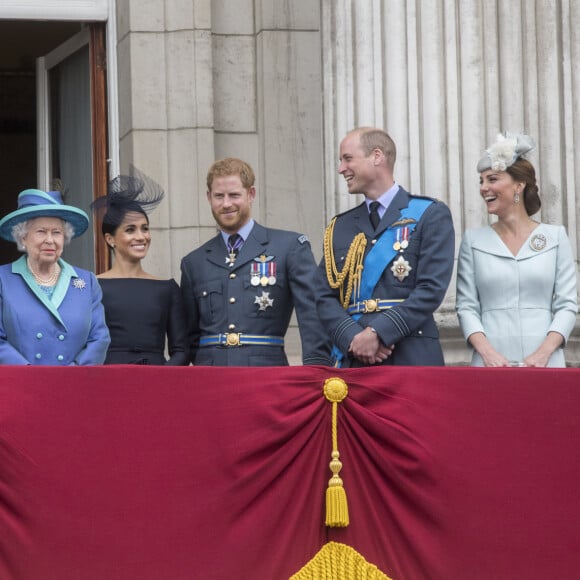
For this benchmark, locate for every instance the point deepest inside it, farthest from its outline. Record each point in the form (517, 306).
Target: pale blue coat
(68, 329)
(516, 300)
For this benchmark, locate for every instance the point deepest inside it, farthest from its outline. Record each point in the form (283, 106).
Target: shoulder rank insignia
(303, 239)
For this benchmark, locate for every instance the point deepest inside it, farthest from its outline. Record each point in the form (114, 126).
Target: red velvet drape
(123, 473)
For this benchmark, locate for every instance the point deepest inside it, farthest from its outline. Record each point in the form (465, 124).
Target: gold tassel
(336, 561)
(336, 390)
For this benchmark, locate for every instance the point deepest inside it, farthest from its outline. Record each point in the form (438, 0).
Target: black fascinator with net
(127, 193)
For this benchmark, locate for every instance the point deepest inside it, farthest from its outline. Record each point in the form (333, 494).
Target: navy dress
(142, 314)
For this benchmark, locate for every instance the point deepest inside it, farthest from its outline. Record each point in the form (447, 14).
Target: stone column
(166, 116)
(443, 77)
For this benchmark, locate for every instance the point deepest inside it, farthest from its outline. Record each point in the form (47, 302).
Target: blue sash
(381, 255)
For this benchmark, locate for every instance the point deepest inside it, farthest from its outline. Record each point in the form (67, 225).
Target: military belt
(240, 339)
(372, 305)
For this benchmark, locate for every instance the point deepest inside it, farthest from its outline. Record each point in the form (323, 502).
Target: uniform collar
(244, 231)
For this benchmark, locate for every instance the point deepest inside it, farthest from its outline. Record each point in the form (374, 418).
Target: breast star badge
(401, 268)
(264, 301)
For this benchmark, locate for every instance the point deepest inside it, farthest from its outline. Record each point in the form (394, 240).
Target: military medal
(397, 244)
(254, 274)
(233, 250)
(538, 242)
(263, 271)
(400, 268)
(272, 273)
(231, 260)
(264, 301)
(402, 241)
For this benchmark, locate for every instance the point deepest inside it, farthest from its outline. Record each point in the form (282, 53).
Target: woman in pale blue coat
(50, 311)
(516, 279)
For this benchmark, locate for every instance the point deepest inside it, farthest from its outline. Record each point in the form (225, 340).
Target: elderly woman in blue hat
(50, 311)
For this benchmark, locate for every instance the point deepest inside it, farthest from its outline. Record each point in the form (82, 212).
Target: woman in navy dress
(144, 314)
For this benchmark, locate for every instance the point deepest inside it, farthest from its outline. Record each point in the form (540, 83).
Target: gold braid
(353, 265)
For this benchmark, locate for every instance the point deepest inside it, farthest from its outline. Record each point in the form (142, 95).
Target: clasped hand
(368, 348)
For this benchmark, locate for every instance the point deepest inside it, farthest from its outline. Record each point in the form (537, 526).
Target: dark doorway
(24, 149)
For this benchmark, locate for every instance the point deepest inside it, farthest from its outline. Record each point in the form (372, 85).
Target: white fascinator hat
(506, 150)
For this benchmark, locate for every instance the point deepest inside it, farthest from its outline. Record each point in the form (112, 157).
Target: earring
(517, 197)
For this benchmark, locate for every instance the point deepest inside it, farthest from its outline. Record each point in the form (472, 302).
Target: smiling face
(230, 202)
(44, 241)
(132, 238)
(498, 189)
(357, 168)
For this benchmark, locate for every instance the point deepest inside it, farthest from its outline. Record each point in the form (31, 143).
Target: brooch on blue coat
(79, 284)
(538, 242)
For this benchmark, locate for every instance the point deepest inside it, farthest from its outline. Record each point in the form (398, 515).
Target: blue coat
(68, 329)
(410, 325)
(516, 300)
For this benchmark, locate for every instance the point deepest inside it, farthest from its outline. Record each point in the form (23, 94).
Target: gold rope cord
(337, 561)
(335, 390)
(353, 265)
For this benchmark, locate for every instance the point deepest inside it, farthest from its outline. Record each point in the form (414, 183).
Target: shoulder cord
(353, 264)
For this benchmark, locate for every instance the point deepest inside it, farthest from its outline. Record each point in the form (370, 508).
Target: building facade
(175, 84)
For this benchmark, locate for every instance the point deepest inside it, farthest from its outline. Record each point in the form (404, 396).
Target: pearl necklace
(50, 281)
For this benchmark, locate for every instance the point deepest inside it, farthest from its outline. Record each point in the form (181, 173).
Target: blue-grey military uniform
(406, 320)
(238, 314)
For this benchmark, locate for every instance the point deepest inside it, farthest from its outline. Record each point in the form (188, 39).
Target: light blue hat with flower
(34, 203)
(508, 148)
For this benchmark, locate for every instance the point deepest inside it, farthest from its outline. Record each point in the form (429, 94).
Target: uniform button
(373, 241)
(232, 275)
(419, 332)
(61, 337)
(232, 327)
(204, 293)
(232, 300)
(39, 335)
(38, 355)
(60, 357)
